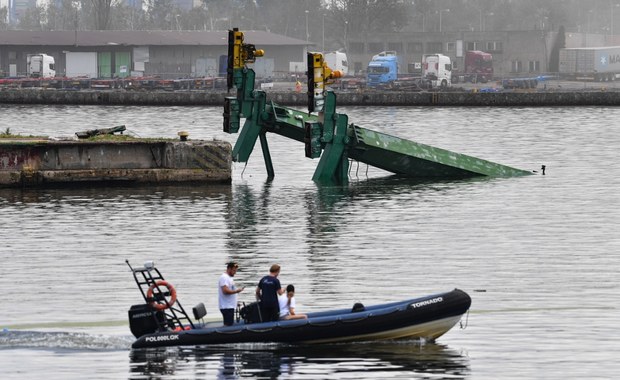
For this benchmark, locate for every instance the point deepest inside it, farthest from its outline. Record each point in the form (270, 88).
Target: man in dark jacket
(267, 292)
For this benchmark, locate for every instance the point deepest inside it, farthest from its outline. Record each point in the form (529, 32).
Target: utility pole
(441, 10)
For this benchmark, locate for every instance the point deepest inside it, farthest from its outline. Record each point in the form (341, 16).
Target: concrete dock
(531, 98)
(33, 162)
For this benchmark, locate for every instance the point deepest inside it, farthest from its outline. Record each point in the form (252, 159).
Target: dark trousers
(229, 316)
(270, 313)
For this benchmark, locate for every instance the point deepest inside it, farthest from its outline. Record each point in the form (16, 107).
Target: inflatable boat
(162, 320)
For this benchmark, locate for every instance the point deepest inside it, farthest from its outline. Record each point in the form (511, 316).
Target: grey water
(539, 255)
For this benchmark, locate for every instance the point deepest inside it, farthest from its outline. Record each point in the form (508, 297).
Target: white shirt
(285, 305)
(226, 301)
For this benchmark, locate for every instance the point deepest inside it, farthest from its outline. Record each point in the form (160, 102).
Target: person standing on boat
(267, 292)
(287, 305)
(227, 293)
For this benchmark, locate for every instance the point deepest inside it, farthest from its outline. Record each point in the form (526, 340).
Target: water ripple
(544, 249)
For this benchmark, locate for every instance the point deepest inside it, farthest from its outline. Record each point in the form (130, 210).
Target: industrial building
(186, 54)
(514, 52)
(167, 54)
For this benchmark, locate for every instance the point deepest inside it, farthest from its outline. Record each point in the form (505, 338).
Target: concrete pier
(31, 162)
(531, 98)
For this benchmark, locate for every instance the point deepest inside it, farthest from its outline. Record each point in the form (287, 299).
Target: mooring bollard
(183, 135)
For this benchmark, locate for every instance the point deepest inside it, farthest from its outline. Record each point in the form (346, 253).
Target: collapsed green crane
(328, 134)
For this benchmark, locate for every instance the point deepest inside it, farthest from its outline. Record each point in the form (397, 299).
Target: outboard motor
(250, 313)
(144, 320)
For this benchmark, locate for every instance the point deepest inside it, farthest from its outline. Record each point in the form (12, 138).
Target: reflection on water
(403, 359)
(91, 194)
(246, 214)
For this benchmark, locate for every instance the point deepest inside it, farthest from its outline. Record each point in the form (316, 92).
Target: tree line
(323, 21)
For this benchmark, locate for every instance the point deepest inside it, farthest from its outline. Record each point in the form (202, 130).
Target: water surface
(539, 254)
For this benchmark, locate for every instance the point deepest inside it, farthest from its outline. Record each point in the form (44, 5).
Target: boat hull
(425, 318)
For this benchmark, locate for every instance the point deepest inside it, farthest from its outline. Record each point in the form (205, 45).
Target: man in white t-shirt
(227, 293)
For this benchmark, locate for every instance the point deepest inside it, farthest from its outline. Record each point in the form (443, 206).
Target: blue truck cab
(382, 69)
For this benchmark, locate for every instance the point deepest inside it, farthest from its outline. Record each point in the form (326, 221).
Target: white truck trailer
(599, 64)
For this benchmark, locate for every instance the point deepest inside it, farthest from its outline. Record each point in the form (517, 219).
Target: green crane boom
(328, 134)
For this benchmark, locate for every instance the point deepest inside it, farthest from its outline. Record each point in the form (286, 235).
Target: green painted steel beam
(251, 128)
(334, 164)
(287, 122)
(412, 159)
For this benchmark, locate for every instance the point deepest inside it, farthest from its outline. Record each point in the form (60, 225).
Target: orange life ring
(171, 290)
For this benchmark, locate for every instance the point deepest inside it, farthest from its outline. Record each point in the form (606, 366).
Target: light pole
(323, 33)
(307, 34)
(441, 10)
(611, 24)
(484, 21)
(588, 28)
(346, 26)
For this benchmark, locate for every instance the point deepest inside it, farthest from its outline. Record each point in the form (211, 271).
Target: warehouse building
(167, 54)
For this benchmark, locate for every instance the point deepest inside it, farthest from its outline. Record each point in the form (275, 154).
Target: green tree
(32, 19)
(360, 19)
(218, 13)
(124, 17)
(159, 14)
(421, 10)
(559, 43)
(196, 19)
(101, 10)
(63, 15)
(4, 25)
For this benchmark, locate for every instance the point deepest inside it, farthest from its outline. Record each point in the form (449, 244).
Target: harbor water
(539, 254)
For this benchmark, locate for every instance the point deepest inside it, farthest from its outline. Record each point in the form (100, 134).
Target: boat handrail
(326, 322)
(354, 317)
(230, 330)
(285, 324)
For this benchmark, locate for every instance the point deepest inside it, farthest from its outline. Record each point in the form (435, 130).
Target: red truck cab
(478, 67)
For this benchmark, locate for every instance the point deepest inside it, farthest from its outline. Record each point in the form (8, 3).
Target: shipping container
(595, 63)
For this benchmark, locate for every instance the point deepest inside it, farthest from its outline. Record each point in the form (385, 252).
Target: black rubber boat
(162, 321)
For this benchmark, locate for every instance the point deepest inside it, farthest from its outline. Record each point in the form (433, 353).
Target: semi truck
(382, 69)
(593, 63)
(477, 67)
(40, 66)
(437, 68)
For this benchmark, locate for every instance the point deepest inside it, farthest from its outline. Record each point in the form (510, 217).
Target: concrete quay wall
(46, 163)
(387, 98)
(111, 97)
